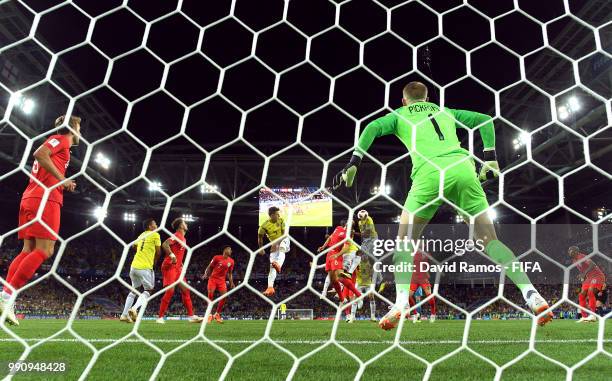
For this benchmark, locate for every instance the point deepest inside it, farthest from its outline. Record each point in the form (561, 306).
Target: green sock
(504, 256)
(402, 278)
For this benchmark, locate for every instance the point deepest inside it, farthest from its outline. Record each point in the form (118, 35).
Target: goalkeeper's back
(426, 130)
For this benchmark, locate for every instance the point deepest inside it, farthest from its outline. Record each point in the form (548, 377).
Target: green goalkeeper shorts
(461, 187)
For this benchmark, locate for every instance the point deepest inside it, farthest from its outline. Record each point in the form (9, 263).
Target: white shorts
(347, 260)
(285, 245)
(367, 245)
(278, 257)
(144, 278)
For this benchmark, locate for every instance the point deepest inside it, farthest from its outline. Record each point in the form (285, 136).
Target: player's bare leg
(133, 312)
(402, 280)
(23, 271)
(485, 231)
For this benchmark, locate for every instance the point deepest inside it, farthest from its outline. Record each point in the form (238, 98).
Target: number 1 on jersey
(436, 126)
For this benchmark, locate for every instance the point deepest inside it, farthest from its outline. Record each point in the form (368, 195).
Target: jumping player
(367, 230)
(429, 133)
(148, 250)
(172, 266)
(220, 267)
(334, 263)
(274, 229)
(593, 282)
(49, 168)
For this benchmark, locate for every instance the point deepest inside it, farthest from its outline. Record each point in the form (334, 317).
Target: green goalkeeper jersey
(427, 131)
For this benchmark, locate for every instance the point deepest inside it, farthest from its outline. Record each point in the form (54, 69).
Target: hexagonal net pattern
(378, 29)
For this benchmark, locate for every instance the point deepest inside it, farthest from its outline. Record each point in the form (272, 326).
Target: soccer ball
(362, 214)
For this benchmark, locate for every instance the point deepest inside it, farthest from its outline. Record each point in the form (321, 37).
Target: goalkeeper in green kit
(429, 134)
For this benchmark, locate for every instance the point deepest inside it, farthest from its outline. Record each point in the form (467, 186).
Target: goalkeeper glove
(347, 174)
(490, 165)
(382, 287)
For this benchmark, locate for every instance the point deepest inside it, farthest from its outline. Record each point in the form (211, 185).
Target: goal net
(254, 93)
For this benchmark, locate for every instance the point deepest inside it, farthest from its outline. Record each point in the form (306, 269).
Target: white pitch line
(319, 342)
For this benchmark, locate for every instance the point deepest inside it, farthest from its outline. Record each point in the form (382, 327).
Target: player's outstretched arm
(380, 127)
(230, 276)
(320, 249)
(207, 271)
(486, 128)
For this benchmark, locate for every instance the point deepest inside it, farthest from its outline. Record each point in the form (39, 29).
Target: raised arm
(486, 129)
(382, 126)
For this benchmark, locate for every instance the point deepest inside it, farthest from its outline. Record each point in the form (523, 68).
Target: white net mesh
(386, 22)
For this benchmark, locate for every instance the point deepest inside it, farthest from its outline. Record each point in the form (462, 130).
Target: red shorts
(415, 286)
(50, 216)
(332, 264)
(595, 282)
(171, 273)
(216, 284)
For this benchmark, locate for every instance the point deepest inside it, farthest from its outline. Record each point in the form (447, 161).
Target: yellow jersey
(364, 274)
(146, 247)
(273, 230)
(367, 228)
(283, 308)
(352, 247)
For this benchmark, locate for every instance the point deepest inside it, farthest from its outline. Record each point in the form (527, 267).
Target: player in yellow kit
(366, 281)
(367, 231)
(274, 229)
(148, 250)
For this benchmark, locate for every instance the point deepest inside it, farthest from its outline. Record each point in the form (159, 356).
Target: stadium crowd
(85, 265)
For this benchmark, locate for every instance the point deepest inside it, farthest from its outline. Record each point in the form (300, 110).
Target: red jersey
(584, 265)
(336, 237)
(419, 276)
(220, 266)
(60, 156)
(177, 249)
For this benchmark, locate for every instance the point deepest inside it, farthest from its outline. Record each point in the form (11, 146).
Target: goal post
(295, 314)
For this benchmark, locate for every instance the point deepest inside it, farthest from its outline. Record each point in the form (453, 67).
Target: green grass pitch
(500, 341)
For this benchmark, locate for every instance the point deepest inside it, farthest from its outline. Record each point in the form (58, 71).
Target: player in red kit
(593, 281)
(49, 168)
(171, 267)
(334, 262)
(420, 278)
(220, 267)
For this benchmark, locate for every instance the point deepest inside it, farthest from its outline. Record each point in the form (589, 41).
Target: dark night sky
(304, 87)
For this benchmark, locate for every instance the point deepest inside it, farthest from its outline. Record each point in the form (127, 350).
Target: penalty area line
(319, 342)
